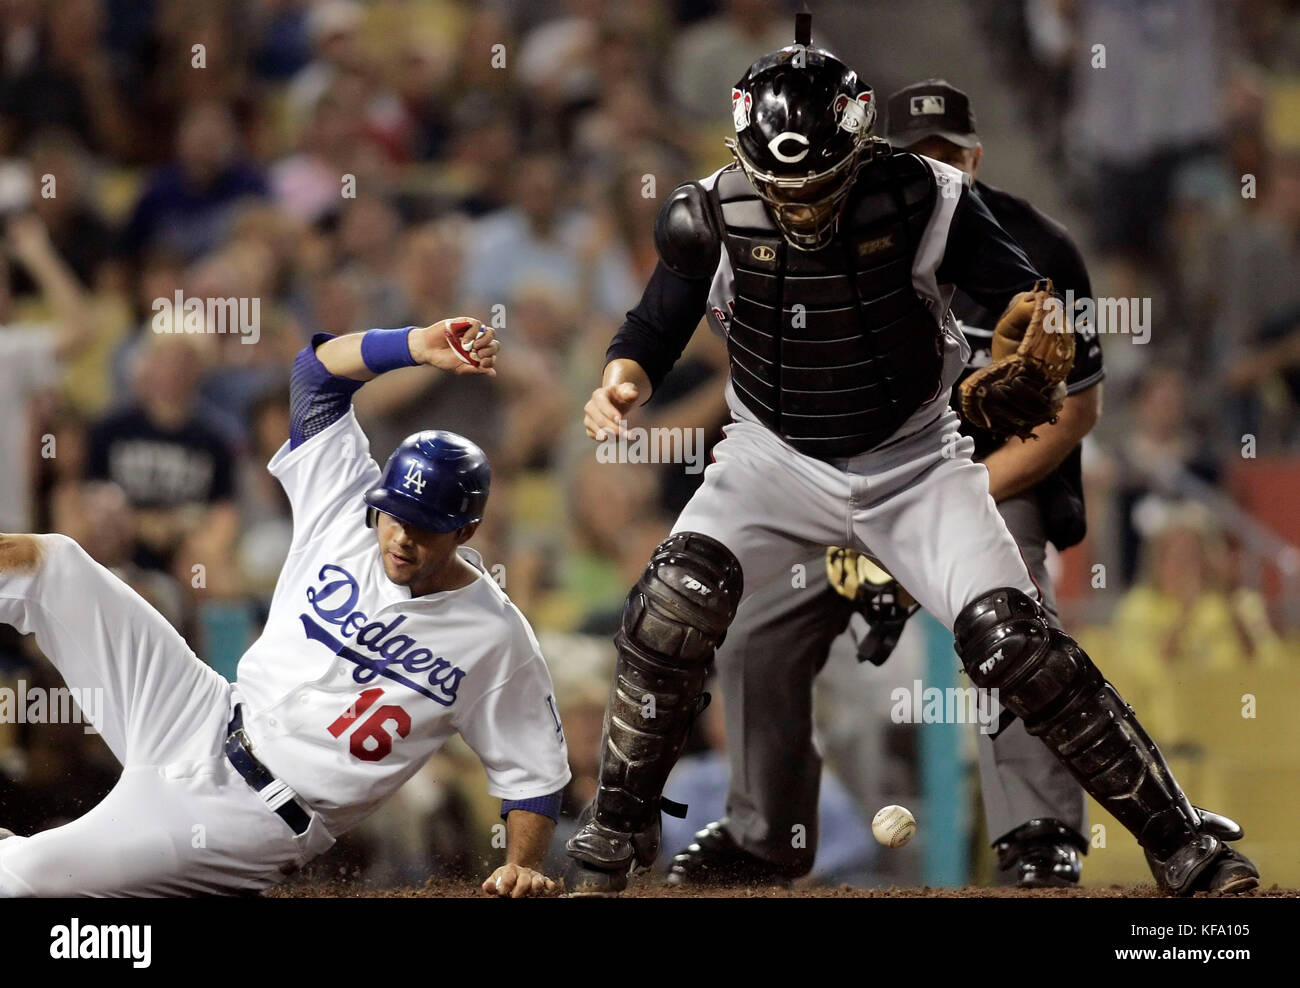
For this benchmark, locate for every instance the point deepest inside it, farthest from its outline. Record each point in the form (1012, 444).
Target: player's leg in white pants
(754, 519)
(180, 820)
(773, 508)
(923, 507)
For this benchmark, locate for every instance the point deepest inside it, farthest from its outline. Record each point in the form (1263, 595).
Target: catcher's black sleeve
(981, 258)
(656, 332)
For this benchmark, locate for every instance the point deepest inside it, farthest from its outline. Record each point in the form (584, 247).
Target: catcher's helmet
(803, 121)
(434, 480)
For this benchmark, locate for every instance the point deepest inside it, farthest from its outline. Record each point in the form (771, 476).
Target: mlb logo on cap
(932, 108)
(926, 104)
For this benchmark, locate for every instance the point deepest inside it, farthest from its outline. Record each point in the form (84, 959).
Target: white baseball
(894, 826)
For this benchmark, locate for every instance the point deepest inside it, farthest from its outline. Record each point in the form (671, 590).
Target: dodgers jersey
(354, 683)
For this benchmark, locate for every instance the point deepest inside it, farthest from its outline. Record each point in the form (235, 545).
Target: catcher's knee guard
(1043, 677)
(674, 619)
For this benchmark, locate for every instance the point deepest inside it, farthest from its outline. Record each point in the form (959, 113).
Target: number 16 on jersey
(371, 740)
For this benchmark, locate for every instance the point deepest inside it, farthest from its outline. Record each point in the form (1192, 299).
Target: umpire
(781, 636)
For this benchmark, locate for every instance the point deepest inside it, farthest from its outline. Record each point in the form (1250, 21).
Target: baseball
(894, 826)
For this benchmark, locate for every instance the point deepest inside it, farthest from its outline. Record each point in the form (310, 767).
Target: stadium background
(384, 163)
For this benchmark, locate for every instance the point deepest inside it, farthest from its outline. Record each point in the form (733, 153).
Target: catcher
(1034, 809)
(828, 263)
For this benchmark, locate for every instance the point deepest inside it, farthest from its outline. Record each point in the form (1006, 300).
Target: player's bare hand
(460, 345)
(517, 882)
(606, 410)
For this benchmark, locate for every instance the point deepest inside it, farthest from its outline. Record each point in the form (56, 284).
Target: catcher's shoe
(1044, 853)
(715, 859)
(603, 858)
(1206, 863)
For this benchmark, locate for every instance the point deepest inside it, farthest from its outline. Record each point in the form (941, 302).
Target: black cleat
(603, 857)
(1206, 863)
(715, 859)
(1044, 853)
(585, 881)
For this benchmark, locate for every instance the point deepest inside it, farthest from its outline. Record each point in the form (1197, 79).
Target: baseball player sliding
(385, 637)
(829, 263)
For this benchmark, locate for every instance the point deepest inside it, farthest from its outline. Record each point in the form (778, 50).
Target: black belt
(279, 797)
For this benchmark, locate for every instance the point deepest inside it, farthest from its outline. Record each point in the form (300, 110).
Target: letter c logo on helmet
(774, 145)
(435, 480)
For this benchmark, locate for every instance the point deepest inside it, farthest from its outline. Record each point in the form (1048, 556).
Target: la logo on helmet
(414, 479)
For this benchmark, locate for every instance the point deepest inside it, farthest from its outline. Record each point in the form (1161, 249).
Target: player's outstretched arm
(625, 382)
(528, 835)
(460, 345)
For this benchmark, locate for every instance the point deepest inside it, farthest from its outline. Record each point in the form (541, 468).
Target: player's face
(415, 557)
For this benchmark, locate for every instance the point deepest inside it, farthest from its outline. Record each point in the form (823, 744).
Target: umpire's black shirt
(1051, 250)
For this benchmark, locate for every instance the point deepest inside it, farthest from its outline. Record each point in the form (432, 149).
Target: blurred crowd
(387, 163)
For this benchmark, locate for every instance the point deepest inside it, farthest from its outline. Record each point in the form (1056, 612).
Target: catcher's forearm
(528, 835)
(623, 369)
(1019, 464)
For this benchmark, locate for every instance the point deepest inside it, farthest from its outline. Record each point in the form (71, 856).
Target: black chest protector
(833, 349)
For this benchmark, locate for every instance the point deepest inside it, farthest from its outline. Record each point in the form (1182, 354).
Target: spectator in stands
(1188, 614)
(1260, 310)
(334, 30)
(58, 74)
(707, 58)
(76, 229)
(1147, 115)
(1157, 459)
(266, 527)
(176, 470)
(98, 515)
(536, 238)
(1189, 610)
(187, 204)
(482, 156)
(368, 243)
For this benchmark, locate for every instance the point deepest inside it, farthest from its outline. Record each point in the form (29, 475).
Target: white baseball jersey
(354, 684)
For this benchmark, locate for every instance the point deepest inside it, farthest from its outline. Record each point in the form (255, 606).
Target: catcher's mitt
(1024, 386)
(878, 597)
(862, 581)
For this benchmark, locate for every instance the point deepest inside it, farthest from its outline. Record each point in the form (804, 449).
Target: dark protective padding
(674, 619)
(833, 349)
(1043, 677)
(686, 235)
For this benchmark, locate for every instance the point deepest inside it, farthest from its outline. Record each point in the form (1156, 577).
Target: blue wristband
(548, 805)
(387, 349)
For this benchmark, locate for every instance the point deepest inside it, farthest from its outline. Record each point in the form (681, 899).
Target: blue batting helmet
(434, 480)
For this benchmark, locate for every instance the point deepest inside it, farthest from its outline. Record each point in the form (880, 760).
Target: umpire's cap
(435, 480)
(933, 108)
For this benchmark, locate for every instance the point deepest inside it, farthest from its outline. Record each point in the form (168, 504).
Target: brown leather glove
(1033, 352)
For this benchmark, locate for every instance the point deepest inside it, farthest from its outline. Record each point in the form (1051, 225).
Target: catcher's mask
(803, 122)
